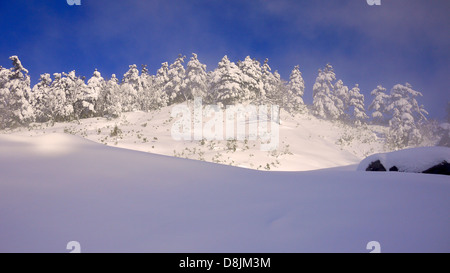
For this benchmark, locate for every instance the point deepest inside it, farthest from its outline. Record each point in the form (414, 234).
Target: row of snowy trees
(67, 96)
(399, 109)
(335, 101)
(402, 111)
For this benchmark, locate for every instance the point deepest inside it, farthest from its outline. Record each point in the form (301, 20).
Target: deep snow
(59, 188)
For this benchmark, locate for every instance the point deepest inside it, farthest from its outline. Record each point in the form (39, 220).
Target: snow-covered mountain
(59, 188)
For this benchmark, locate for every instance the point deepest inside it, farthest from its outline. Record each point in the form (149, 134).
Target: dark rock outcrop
(376, 166)
(441, 168)
(393, 169)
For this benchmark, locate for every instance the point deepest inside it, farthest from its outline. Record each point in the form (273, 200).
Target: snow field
(117, 200)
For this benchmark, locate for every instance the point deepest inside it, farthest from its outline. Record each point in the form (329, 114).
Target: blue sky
(397, 42)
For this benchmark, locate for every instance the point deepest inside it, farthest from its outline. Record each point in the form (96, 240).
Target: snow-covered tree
(341, 97)
(145, 97)
(379, 103)
(40, 98)
(56, 101)
(88, 102)
(281, 89)
(226, 83)
(444, 133)
(270, 83)
(323, 97)
(295, 90)
(403, 130)
(3, 76)
(196, 79)
(74, 85)
(78, 95)
(4, 95)
(110, 96)
(357, 103)
(404, 98)
(175, 85)
(406, 113)
(161, 79)
(130, 89)
(63, 95)
(251, 80)
(15, 107)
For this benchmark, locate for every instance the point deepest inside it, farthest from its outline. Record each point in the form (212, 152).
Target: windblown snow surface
(58, 188)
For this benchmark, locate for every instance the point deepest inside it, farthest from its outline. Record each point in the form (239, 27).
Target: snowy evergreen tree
(161, 79)
(406, 113)
(404, 97)
(226, 83)
(210, 96)
(88, 103)
(271, 84)
(357, 104)
(403, 130)
(130, 89)
(379, 103)
(196, 79)
(323, 97)
(60, 107)
(295, 90)
(15, 107)
(110, 96)
(3, 76)
(276, 89)
(251, 81)
(78, 95)
(4, 95)
(74, 87)
(56, 99)
(281, 89)
(175, 85)
(40, 98)
(145, 97)
(341, 97)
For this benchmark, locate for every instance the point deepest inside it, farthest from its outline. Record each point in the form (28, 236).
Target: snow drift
(413, 160)
(117, 200)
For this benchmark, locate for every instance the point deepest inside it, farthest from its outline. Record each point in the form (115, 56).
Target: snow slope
(59, 188)
(306, 142)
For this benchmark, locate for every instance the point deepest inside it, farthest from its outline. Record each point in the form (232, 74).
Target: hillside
(305, 142)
